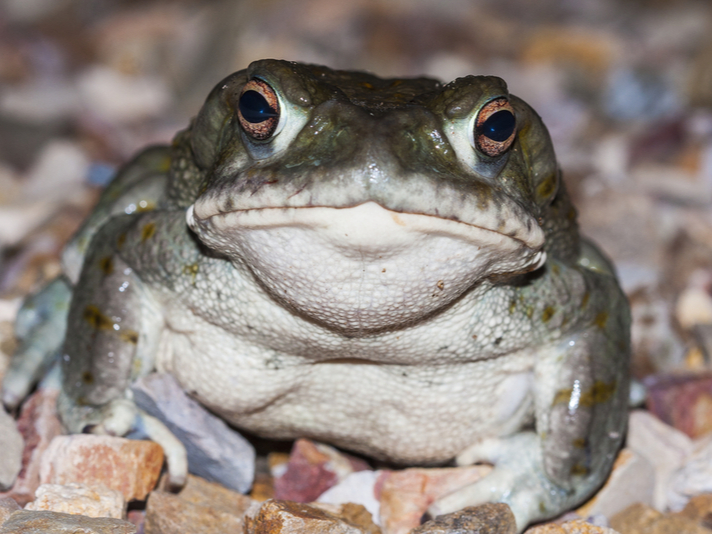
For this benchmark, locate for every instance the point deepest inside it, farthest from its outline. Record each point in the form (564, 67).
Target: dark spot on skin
(579, 443)
(601, 319)
(547, 187)
(130, 336)
(547, 314)
(444, 347)
(191, 270)
(512, 306)
(404, 374)
(498, 341)
(440, 284)
(474, 336)
(96, 319)
(88, 378)
(599, 393)
(579, 469)
(148, 231)
(106, 265)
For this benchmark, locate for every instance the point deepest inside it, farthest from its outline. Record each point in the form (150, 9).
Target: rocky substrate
(661, 481)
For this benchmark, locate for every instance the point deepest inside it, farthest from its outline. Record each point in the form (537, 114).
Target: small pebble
(485, 519)
(95, 501)
(11, 445)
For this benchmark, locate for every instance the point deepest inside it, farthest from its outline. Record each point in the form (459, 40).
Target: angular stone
(485, 519)
(684, 402)
(636, 518)
(352, 513)
(129, 466)
(8, 506)
(358, 488)
(39, 425)
(215, 451)
(578, 526)
(32, 522)
(694, 477)
(168, 514)
(312, 469)
(699, 509)
(204, 493)
(288, 517)
(11, 445)
(662, 445)
(405, 495)
(674, 524)
(631, 480)
(96, 501)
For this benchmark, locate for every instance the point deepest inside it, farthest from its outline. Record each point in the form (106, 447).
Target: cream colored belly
(407, 413)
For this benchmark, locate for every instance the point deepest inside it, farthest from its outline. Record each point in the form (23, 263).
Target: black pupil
(499, 126)
(255, 108)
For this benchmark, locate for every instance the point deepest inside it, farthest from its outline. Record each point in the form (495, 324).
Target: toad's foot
(517, 480)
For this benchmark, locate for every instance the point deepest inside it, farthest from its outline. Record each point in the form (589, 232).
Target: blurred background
(625, 87)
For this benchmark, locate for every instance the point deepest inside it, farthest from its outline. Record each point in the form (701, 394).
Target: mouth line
(394, 214)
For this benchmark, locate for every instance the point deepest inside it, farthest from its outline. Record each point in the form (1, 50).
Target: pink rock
(312, 469)
(405, 495)
(129, 466)
(684, 402)
(38, 424)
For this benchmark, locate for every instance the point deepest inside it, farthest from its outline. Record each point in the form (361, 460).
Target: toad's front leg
(581, 396)
(113, 331)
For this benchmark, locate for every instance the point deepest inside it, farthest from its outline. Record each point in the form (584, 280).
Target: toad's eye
(258, 109)
(495, 127)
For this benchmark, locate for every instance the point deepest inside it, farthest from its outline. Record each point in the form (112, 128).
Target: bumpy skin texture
(366, 277)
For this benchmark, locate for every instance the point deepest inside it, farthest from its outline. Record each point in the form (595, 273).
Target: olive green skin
(567, 321)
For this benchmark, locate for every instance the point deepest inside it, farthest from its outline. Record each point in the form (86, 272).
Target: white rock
(665, 447)
(694, 305)
(693, 477)
(11, 445)
(632, 480)
(358, 488)
(119, 98)
(94, 501)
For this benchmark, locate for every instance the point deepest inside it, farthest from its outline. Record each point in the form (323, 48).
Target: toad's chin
(362, 269)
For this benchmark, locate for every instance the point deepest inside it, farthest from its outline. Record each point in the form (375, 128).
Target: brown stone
(168, 514)
(129, 466)
(699, 509)
(485, 519)
(8, 506)
(675, 524)
(353, 513)
(578, 526)
(32, 522)
(405, 495)
(636, 518)
(288, 517)
(641, 519)
(39, 425)
(203, 493)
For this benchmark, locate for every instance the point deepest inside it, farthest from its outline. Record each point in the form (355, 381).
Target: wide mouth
(362, 269)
